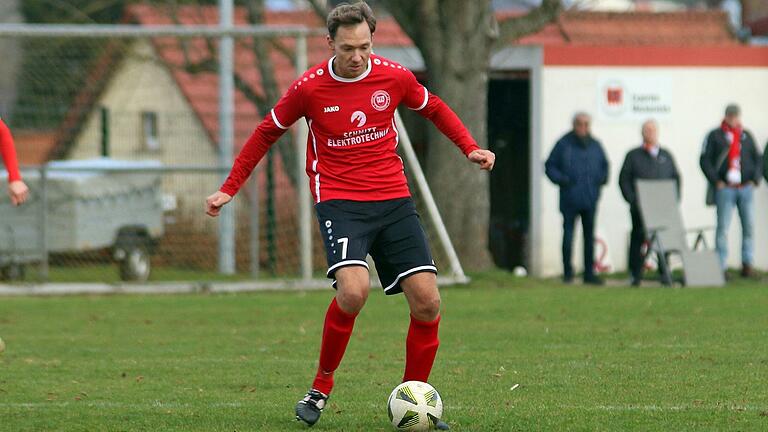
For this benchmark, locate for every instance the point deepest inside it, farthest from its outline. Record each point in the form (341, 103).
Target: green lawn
(585, 359)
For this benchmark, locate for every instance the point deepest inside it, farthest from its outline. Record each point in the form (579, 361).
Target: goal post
(456, 274)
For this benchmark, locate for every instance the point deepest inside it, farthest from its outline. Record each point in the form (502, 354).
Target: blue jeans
(725, 199)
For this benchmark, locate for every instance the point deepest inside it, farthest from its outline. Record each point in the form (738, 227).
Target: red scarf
(734, 153)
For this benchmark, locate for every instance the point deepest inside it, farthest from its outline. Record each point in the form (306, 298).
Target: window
(149, 134)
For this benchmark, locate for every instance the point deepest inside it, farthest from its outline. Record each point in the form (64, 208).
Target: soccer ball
(414, 406)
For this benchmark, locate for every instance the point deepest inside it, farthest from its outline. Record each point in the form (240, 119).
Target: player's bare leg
(422, 342)
(352, 287)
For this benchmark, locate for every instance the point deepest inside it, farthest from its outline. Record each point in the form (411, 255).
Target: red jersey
(352, 142)
(8, 153)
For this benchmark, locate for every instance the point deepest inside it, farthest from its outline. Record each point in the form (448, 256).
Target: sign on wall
(634, 97)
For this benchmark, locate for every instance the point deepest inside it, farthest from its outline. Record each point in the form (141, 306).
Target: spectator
(649, 161)
(17, 190)
(765, 162)
(731, 162)
(579, 167)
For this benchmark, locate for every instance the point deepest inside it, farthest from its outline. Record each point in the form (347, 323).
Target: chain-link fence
(120, 135)
(111, 220)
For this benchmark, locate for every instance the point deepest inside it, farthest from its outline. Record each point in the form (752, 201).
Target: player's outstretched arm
(17, 189)
(288, 110)
(485, 158)
(215, 202)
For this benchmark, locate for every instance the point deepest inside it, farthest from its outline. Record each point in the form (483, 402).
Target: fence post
(226, 136)
(303, 194)
(255, 246)
(44, 221)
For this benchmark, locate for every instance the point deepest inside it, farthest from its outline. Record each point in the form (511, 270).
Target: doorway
(509, 137)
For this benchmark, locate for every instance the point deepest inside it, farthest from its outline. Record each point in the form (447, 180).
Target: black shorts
(389, 231)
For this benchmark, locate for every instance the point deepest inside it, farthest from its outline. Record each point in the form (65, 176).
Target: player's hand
(215, 202)
(18, 191)
(485, 158)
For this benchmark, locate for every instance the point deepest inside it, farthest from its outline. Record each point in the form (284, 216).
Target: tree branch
(517, 27)
(321, 10)
(407, 15)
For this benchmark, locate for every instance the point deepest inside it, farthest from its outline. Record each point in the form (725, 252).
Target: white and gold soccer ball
(414, 406)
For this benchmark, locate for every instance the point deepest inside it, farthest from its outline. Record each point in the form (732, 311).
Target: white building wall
(698, 98)
(142, 83)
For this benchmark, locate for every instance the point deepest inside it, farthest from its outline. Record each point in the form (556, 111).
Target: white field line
(650, 408)
(451, 407)
(122, 405)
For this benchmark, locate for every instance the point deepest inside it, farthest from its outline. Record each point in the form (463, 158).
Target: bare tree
(456, 39)
(268, 95)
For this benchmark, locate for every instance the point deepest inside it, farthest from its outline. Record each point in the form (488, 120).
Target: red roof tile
(689, 28)
(33, 147)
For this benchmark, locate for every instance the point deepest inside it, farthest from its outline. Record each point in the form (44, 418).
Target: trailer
(85, 205)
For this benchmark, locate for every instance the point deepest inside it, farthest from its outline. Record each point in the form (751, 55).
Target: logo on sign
(359, 117)
(614, 98)
(380, 100)
(614, 95)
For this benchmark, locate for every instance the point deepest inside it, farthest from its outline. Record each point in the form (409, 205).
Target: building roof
(687, 28)
(690, 28)
(201, 88)
(33, 147)
(584, 28)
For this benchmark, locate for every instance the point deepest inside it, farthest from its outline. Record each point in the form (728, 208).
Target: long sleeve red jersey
(352, 142)
(8, 153)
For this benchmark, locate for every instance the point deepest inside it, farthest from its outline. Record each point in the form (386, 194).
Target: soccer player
(363, 204)
(17, 190)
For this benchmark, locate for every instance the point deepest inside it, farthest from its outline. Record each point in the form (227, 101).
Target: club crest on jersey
(330, 109)
(380, 100)
(359, 117)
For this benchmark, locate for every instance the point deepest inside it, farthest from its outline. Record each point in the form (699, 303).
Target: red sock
(420, 349)
(336, 332)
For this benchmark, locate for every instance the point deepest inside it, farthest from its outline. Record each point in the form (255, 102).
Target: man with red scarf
(731, 162)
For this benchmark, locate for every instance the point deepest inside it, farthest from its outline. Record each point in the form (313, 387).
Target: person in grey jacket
(649, 161)
(578, 165)
(731, 161)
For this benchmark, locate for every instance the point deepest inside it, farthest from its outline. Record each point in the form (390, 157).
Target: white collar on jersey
(348, 80)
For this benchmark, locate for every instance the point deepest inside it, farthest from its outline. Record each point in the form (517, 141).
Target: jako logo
(359, 117)
(328, 109)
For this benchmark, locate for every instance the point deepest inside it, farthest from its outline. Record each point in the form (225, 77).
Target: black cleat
(308, 410)
(441, 425)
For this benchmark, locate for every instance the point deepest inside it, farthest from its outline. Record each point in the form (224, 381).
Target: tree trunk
(459, 75)
(454, 37)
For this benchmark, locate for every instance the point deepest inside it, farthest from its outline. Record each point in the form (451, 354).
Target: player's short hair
(350, 14)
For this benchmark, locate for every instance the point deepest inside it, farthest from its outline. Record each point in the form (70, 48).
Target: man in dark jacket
(578, 165)
(765, 162)
(649, 161)
(731, 161)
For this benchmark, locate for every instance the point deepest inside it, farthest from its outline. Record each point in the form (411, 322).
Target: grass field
(579, 359)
